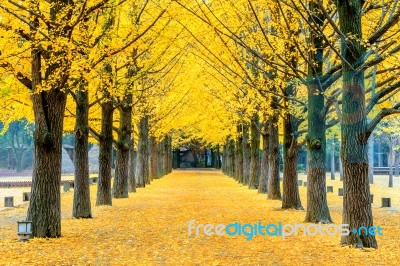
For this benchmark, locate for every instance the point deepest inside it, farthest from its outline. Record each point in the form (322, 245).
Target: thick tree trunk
(274, 187)
(246, 155)
(142, 167)
(45, 205)
(356, 201)
(131, 171)
(291, 196)
(255, 152)
(263, 184)
(105, 155)
(153, 158)
(120, 186)
(81, 204)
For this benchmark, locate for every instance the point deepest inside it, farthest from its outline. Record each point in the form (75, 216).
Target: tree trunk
(166, 160)
(391, 162)
(142, 174)
(274, 188)
(45, 205)
(246, 155)
(131, 171)
(396, 164)
(291, 197)
(153, 158)
(239, 155)
(255, 152)
(356, 201)
(371, 159)
(81, 204)
(333, 166)
(105, 155)
(263, 184)
(120, 186)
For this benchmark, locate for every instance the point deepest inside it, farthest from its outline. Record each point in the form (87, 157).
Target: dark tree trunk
(166, 167)
(239, 155)
(161, 158)
(45, 205)
(232, 157)
(218, 160)
(291, 196)
(246, 155)
(105, 155)
(142, 162)
(356, 201)
(333, 165)
(391, 162)
(274, 188)
(263, 184)
(131, 171)
(255, 152)
(225, 156)
(120, 186)
(153, 158)
(371, 159)
(317, 205)
(81, 205)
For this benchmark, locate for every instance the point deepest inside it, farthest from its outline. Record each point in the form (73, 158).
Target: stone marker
(299, 182)
(329, 189)
(386, 202)
(26, 196)
(9, 202)
(304, 184)
(340, 192)
(67, 186)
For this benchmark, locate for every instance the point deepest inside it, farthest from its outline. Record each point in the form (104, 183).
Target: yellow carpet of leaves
(151, 228)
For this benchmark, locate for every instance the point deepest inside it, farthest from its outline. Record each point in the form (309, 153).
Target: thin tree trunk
(391, 162)
(141, 171)
(131, 171)
(274, 188)
(239, 155)
(81, 204)
(105, 155)
(333, 166)
(246, 155)
(120, 186)
(153, 158)
(371, 159)
(255, 152)
(263, 183)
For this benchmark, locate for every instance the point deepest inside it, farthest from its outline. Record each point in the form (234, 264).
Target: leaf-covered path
(151, 228)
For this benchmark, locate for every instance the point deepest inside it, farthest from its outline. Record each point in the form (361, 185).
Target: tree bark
(274, 188)
(371, 159)
(239, 155)
(291, 196)
(120, 186)
(255, 152)
(81, 204)
(391, 162)
(142, 172)
(263, 183)
(333, 166)
(153, 158)
(105, 154)
(131, 171)
(45, 205)
(246, 155)
(356, 201)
